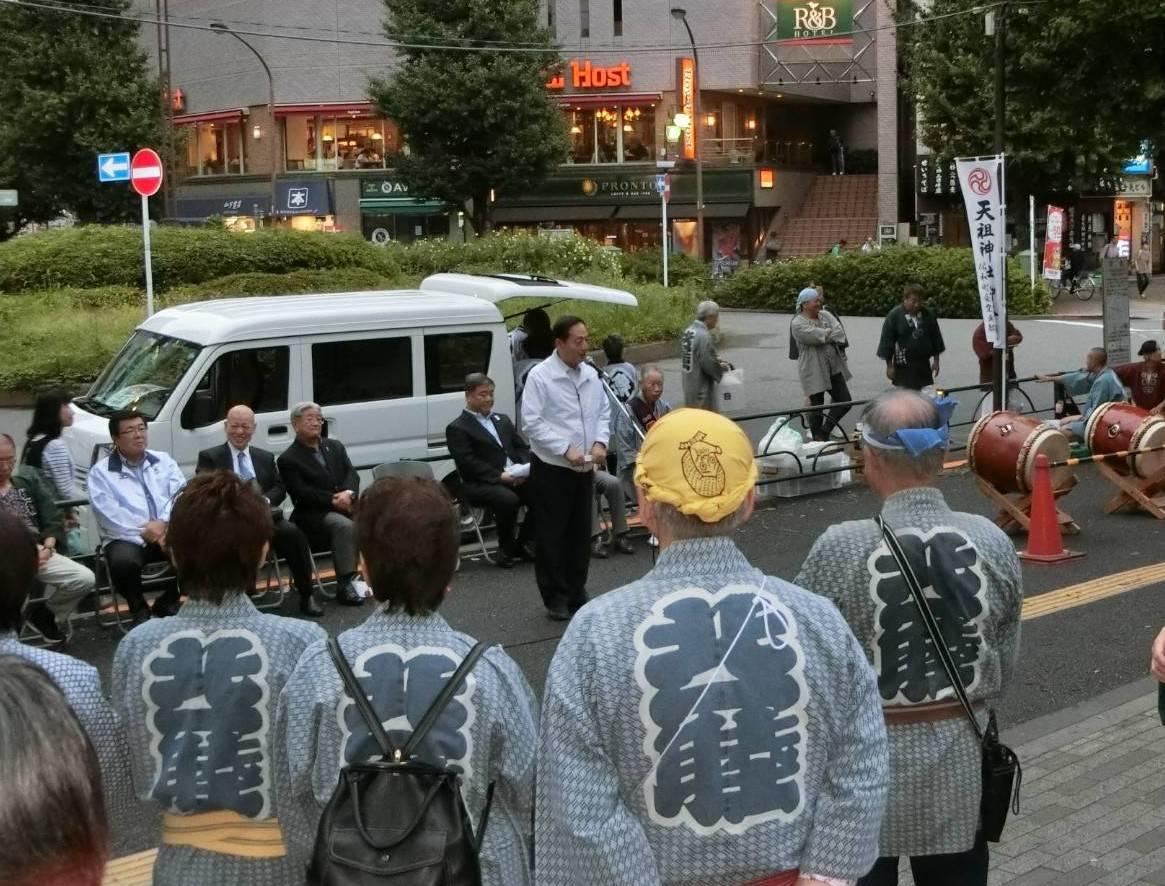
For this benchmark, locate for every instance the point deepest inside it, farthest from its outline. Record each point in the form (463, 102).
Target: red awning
(592, 100)
(359, 109)
(209, 116)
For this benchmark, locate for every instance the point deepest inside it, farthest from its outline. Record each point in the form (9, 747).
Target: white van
(387, 368)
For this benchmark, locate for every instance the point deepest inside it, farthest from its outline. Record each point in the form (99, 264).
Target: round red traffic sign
(145, 172)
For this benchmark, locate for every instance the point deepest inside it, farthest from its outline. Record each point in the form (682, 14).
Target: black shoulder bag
(398, 820)
(1002, 774)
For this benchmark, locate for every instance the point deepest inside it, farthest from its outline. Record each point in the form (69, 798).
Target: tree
(475, 122)
(73, 86)
(1085, 83)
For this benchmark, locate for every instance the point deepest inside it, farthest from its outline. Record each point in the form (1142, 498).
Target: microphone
(590, 361)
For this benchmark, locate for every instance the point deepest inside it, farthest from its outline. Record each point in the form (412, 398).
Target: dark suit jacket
(222, 458)
(312, 485)
(479, 459)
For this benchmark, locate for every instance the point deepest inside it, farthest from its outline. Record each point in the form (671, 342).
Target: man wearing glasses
(131, 493)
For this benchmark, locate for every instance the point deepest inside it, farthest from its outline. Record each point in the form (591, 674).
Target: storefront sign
(191, 209)
(936, 178)
(585, 75)
(1122, 218)
(1142, 164)
(1054, 243)
(383, 187)
(1135, 187)
(981, 182)
(596, 187)
(686, 89)
(303, 197)
(812, 22)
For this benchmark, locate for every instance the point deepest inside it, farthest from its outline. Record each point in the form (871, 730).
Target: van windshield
(142, 376)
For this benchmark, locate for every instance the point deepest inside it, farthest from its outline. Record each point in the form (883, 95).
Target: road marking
(1097, 325)
(1091, 591)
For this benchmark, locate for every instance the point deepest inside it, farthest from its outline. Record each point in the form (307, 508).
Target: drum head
(1056, 447)
(1153, 434)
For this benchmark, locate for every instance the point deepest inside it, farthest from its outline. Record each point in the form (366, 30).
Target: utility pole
(681, 15)
(996, 23)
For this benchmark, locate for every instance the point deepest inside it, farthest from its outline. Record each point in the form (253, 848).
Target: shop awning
(210, 116)
(325, 109)
(608, 98)
(196, 209)
(403, 206)
(561, 214)
(309, 196)
(685, 210)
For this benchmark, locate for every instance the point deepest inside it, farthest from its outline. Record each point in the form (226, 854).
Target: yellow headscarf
(697, 461)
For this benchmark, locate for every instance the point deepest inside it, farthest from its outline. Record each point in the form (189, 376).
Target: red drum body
(1118, 427)
(1003, 447)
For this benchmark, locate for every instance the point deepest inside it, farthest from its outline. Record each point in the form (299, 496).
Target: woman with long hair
(45, 450)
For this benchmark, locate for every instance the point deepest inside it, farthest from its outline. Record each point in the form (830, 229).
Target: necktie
(245, 467)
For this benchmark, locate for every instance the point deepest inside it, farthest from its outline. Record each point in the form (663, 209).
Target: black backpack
(398, 820)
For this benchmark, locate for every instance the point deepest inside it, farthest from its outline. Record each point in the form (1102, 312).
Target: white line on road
(1099, 326)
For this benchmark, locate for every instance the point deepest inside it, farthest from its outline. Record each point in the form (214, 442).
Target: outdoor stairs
(837, 207)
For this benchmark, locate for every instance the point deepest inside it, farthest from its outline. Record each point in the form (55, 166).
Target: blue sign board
(1142, 164)
(113, 167)
(303, 197)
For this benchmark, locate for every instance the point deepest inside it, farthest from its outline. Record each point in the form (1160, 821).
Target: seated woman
(403, 654)
(197, 693)
(53, 828)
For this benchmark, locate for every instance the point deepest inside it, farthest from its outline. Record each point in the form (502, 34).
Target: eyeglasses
(132, 432)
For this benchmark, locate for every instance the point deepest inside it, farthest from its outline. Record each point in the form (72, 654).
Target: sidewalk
(1151, 307)
(1093, 798)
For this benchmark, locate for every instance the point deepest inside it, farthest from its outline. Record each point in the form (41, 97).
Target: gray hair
(706, 309)
(300, 408)
(649, 368)
(475, 380)
(682, 527)
(898, 410)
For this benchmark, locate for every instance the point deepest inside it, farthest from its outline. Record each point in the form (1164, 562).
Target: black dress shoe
(502, 560)
(558, 613)
(309, 606)
(347, 594)
(597, 549)
(45, 622)
(622, 545)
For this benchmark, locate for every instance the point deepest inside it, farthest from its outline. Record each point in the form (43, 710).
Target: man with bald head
(970, 577)
(258, 466)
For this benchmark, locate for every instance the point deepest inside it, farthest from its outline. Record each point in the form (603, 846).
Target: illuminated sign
(586, 75)
(767, 178)
(686, 91)
(799, 21)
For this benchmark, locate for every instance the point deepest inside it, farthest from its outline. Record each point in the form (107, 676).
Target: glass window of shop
(216, 148)
(330, 143)
(612, 134)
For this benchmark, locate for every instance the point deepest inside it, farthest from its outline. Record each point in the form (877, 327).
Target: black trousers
(290, 545)
(562, 509)
(504, 501)
(1142, 283)
(126, 561)
(954, 869)
(838, 393)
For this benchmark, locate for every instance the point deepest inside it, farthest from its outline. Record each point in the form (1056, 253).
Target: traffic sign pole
(663, 247)
(149, 257)
(145, 177)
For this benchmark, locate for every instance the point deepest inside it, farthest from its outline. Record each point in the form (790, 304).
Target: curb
(1062, 727)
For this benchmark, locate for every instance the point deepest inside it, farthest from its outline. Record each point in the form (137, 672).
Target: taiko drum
(1003, 447)
(1119, 427)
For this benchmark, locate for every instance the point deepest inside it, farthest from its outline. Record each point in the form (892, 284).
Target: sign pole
(1031, 237)
(999, 378)
(663, 241)
(149, 260)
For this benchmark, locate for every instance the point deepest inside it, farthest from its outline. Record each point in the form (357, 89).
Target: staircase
(838, 207)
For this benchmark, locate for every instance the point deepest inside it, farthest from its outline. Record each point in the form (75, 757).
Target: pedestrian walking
(971, 576)
(836, 149)
(821, 361)
(700, 362)
(911, 342)
(707, 724)
(1143, 265)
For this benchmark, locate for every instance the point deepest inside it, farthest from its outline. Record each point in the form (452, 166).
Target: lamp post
(681, 15)
(274, 134)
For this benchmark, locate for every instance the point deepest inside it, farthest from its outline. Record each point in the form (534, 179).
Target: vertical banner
(981, 180)
(686, 90)
(1054, 243)
(1122, 218)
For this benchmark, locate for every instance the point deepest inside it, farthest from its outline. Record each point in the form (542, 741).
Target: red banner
(1054, 243)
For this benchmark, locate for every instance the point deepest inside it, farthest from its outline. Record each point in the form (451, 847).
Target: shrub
(646, 265)
(238, 285)
(521, 253)
(869, 284)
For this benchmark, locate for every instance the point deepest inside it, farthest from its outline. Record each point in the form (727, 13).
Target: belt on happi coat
(930, 712)
(225, 832)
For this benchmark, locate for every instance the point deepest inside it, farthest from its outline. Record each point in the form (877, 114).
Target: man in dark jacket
(323, 487)
(911, 342)
(258, 467)
(493, 461)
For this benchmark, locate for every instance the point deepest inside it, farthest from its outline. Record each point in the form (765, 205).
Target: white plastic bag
(731, 391)
(781, 437)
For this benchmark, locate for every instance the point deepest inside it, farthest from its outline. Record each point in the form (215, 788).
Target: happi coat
(489, 731)
(197, 693)
(708, 725)
(971, 574)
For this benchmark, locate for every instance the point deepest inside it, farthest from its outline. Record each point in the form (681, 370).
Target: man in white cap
(821, 361)
(707, 724)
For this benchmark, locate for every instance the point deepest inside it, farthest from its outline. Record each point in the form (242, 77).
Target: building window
(612, 134)
(216, 148)
(255, 377)
(362, 371)
(584, 18)
(618, 10)
(330, 143)
(450, 357)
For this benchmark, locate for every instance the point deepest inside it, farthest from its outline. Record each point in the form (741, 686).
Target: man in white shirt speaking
(566, 418)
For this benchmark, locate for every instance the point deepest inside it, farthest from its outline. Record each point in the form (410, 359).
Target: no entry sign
(145, 172)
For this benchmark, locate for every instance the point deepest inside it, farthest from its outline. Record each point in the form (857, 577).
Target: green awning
(403, 206)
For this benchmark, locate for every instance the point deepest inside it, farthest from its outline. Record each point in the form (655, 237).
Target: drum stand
(1015, 512)
(1144, 493)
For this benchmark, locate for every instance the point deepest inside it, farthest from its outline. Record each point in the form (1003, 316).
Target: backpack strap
(356, 693)
(442, 700)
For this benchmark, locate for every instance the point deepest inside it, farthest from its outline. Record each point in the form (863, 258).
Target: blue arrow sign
(113, 167)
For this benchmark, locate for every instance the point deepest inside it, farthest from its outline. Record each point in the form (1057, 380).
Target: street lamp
(222, 28)
(681, 14)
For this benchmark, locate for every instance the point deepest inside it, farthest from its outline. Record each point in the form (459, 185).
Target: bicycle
(1083, 286)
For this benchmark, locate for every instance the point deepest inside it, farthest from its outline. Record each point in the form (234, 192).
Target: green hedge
(520, 252)
(869, 284)
(295, 282)
(646, 265)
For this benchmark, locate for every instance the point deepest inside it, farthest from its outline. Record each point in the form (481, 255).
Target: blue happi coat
(708, 725)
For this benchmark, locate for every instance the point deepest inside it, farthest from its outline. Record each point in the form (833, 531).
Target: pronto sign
(587, 75)
(814, 21)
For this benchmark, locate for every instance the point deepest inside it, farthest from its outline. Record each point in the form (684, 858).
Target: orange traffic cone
(1045, 544)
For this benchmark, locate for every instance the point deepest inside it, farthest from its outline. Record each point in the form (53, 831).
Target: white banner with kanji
(981, 180)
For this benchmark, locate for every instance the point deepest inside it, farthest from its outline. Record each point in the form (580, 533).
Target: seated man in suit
(258, 466)
(493, 461)
(323, 486)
